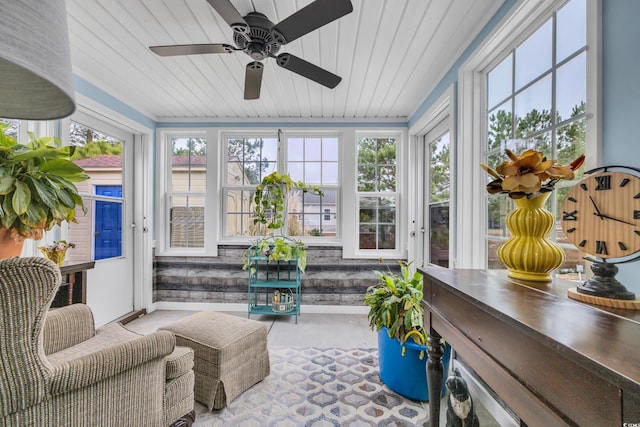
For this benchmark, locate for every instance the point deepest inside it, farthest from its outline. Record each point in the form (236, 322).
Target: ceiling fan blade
(309, 18)
(230, 14)
(308, 70)
(253, 80)
(191, 49)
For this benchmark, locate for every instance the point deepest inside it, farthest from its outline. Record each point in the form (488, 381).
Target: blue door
(108, 234)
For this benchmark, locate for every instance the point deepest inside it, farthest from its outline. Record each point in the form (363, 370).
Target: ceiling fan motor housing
(259, 42)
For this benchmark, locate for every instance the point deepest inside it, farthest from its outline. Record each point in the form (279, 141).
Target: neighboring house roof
(115, 161)
(329, 198)
(106, 161)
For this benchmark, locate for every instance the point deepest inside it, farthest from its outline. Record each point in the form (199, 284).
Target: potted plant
(37, 189)
(277, 249)
(396, 313)
(271, 197)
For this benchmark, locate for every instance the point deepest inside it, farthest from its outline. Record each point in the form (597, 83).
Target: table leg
(435, 371)
(71, 280)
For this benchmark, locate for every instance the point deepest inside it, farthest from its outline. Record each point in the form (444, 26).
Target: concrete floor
(312, 330)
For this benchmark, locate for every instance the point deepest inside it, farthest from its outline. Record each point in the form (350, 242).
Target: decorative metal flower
(529, 174)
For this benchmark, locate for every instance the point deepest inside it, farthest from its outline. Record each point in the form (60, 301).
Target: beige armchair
(57, 370)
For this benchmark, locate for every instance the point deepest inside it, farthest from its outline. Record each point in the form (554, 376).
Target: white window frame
(523, 19)
(351, 247)
(164, 200)
(224, 185)
(286, 135)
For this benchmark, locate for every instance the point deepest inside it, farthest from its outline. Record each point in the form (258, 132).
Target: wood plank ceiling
(389, 53)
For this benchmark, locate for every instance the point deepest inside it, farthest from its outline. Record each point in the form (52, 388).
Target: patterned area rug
(319, 387)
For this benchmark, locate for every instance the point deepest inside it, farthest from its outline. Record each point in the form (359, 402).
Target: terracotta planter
(10, 246)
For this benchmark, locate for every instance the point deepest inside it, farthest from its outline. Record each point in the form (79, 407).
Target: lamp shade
(35, 60)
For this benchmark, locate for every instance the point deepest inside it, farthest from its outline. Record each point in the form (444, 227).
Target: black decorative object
(258, 37)
(460, 410)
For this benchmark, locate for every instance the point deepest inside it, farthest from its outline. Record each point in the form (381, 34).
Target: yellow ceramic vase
(529, 254)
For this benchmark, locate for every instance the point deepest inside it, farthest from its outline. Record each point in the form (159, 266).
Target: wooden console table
(73, 288)
(552, 360)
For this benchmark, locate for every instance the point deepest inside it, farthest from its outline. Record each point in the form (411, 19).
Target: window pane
(439, 234)
(240, 213)
(571, 29)
(571, 92)
(313, 173)
(330, 173)
(295, 149)
(533, 108)
(439, 177)
(499, 81)
(316, 164)
(188, 164)
(312, 149)
(376, 164)
(186, 222)
(312, 215)
(533, 57)
(378, 218)
(258, 157)
(500, 126)
(100, 230)
(14, 128)
(439, 172)
(330, 149)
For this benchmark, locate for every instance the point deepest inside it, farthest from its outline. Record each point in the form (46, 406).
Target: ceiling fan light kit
(258, 37)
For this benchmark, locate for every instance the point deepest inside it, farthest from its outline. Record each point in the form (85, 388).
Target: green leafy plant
(271, 196)
(277, 249)
(395, 302)
(37, 189)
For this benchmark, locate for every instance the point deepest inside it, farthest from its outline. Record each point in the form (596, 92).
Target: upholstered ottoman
(230, 354)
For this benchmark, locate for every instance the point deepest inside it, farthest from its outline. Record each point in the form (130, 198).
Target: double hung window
(536, 98)
(377, 195)
(313, 160)
(187, 186)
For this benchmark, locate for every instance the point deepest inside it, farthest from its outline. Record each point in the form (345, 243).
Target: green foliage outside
(533, 131)
(90, 143)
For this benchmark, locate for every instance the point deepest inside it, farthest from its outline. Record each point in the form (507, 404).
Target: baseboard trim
(205, 306)
(131, 316)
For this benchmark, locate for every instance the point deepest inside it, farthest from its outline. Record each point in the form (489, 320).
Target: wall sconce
(35, 61)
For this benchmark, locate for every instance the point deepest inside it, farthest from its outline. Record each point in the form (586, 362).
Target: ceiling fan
(260, 38)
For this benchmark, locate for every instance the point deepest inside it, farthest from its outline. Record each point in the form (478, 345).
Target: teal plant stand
(274, 286)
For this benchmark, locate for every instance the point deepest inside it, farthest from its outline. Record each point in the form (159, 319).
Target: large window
(377, 194)
(313, 160)
(187, 186)
(248, 161)
(536, 98)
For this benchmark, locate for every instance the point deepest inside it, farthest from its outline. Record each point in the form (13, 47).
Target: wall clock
(601, 216)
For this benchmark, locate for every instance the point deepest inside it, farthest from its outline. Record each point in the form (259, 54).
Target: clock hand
(614, 219)
(597, 212)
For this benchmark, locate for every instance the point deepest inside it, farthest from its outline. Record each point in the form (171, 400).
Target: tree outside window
(536, 98)
(377, 193)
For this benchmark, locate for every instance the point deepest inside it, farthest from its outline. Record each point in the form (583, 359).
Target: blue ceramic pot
(407, 375)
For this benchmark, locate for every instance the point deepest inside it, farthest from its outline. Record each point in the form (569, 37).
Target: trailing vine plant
(271, 197)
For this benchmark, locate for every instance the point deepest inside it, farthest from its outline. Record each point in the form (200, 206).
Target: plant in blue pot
(396, 313)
